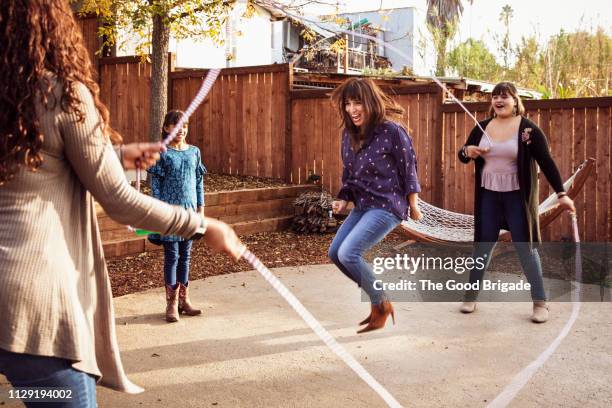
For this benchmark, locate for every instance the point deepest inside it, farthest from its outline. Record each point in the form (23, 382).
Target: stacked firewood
(313, 213)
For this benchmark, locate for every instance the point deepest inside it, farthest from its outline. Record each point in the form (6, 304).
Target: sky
(481, 19)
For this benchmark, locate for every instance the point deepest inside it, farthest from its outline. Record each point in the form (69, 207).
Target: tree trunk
(441, 56)
(159, 78)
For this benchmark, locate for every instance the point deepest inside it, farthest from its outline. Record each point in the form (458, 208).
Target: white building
(267, 37)
(404, 28)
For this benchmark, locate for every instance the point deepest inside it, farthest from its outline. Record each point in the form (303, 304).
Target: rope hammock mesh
(443, 225)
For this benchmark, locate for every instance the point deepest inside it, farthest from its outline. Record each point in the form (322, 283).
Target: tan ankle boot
(468, 307)
(172, 299)
(540, 312)
(185, 305)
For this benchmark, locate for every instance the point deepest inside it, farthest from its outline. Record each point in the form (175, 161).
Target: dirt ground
(214, 182)
(132, 274)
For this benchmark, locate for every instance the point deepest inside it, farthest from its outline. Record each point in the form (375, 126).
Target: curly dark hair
(41, 43)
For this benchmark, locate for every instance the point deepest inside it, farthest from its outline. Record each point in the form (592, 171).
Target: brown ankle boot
(172, 300)
(379, 315)
(185, 305)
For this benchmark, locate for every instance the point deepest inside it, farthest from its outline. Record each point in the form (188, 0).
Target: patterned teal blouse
(177, 178)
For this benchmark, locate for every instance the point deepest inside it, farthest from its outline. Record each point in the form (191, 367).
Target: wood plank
(241, 141)
(268, 157)
(218, 124)
(579, 155)
(253, 69)
(296, 132)
(567, 133)
(276, 110)
(555, 138)
(232, 131)
(595, 201)
(545, 190)
(604, 141)
(464, 179)
(438, 141)
(250, 122)
(206, 134)
(307, 127)
(538, 104)
(451, 161)
(288, 126)
(316, 153)
(421, 148)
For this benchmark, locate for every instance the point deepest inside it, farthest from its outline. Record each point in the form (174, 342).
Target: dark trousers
(499, 208)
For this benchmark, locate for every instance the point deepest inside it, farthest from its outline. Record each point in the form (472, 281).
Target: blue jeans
(361, 230)
(26, 370)
(497, 207)
(177, 255)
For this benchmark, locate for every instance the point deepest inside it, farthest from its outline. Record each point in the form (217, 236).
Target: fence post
(437, 174)
(171, 68)
(288, 126)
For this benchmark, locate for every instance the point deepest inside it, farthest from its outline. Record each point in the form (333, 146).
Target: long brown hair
(507, 88)
(377, 107)
(41, 43)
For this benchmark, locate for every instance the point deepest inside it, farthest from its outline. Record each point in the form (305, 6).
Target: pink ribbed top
(500, 172)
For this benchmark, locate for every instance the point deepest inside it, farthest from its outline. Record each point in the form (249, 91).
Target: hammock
(442, 226)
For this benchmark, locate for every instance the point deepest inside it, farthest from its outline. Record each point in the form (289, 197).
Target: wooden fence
(89, 30)
(576, 128)
(241, 126)
(252, 123)
(125, 88)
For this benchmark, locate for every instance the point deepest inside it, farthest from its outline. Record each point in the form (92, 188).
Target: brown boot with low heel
(378, 317)
(172, 300)
(184, 305)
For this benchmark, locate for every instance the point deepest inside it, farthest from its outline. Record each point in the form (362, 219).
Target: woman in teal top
(177, 179)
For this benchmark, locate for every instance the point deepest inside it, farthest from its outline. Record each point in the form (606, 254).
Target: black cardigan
(531, 151)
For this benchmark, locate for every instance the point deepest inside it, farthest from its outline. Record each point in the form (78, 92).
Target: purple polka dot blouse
(382, 173)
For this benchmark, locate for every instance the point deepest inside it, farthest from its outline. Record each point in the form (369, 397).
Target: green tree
(442, 22)
(153, 22)
(472, 59)
(567, 65)
(528, 69)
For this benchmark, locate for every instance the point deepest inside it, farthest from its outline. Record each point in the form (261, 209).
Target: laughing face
(354, 109)
(504, 105)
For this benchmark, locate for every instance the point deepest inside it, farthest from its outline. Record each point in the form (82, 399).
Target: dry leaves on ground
(275, 249)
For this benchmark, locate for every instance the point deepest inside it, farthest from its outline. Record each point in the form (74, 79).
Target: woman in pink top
(506, 189)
